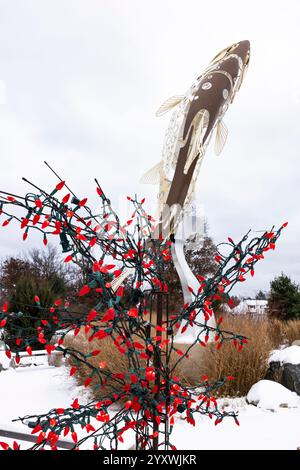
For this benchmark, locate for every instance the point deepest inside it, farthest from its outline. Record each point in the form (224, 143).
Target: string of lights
(146, 397)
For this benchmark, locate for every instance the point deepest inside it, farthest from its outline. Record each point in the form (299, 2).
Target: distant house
(250, 307)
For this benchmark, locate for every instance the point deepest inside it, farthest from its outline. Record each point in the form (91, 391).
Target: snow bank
(271, 395)
(290, 355)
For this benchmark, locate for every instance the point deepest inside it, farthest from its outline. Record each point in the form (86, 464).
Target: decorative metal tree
(149, 395)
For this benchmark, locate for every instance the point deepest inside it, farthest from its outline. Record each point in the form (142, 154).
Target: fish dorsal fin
(120, 279)
(169, 104)
(153, 175)
(221, 137)
(200, 124)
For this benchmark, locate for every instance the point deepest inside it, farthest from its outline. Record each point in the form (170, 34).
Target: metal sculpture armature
(197, 116)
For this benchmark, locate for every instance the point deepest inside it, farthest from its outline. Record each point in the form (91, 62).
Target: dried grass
(247, 366)
(109, 358)
(292, 330)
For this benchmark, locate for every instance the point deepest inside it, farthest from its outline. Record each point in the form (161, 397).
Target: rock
(284, 367)
(274, 372)
(286, 374)
(296, 342)
(291, 377)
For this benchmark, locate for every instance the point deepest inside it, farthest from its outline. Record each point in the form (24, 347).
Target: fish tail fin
(153, 175)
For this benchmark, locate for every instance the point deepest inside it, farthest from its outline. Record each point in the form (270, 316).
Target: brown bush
(247, 366)
(114, 361)
(250, 364)
(284, 332)
(276, 332)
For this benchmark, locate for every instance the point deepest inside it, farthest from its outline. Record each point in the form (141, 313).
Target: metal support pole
(157, 366)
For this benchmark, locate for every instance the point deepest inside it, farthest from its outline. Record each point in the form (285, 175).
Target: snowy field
(31, 390)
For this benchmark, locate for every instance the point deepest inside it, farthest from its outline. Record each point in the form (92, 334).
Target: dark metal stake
(157, 366)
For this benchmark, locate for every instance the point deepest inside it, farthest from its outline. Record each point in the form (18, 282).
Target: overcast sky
(80, 82)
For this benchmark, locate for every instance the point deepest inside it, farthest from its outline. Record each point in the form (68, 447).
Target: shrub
(291, 330)
(109, 359)
(25, 316)
(247, 366)
(284, 299)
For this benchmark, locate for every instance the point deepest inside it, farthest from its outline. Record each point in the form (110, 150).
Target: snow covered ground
(259, 430)
(37, 389)
(33, 390)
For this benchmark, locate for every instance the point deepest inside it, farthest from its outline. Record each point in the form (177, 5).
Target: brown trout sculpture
(197, 117)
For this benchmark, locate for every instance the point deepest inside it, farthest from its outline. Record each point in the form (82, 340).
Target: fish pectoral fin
(194, 151)
(169, 104)
(153, 175)
(221, 137)
(196, 146)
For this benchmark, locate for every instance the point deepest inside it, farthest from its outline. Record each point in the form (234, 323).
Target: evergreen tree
(284, 300)
(41, 274)
(25, 312)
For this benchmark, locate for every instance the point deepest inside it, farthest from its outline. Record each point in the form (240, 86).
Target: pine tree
(284, 300)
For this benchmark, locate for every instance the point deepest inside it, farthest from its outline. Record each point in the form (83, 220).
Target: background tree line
(43, 273)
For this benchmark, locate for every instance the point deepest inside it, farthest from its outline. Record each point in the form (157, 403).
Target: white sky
(80, 82)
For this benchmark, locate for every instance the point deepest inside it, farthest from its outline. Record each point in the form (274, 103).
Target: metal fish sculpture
(197, 116)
